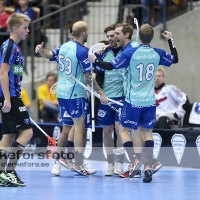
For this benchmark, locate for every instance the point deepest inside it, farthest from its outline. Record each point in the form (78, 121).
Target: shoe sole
(137, 176)
(8, 185)
(55, 174)
(116, 174)
(108, 175)
(93, 173)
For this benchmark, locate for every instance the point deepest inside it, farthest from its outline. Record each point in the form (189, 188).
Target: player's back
(142, 69)
(69, 64)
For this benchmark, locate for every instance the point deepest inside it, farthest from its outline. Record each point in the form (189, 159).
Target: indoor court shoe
(66, 163)
(5, 183)
(134, 167)
(156, 167)
(91, 171)
(13, 178)
(118, 168)
(80, 169)
(109, 170)
(147, 174)
(138, 174)
(56, 169)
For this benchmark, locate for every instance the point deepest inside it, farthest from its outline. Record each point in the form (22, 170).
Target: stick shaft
(95, 94)
(39, 127)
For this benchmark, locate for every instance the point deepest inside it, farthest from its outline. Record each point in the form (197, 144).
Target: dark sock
(110, 159)
(148, 147)
(129, 149)
(121, 158)
(69, 144)
(78, 158)
(3, 160)
(14, 157)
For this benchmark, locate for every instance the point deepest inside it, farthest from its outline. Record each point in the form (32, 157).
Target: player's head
(80, 31)
(110, 34)
(160, 77)
(123, 34)
(146, 33)
(2, 6)
(18, 25)
(51, 78)
(23, 3)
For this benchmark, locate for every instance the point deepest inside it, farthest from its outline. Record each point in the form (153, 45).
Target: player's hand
(104, 99)
(6, 106)
(39, 47)
(102, 51)
(167, 35)
(91, 57)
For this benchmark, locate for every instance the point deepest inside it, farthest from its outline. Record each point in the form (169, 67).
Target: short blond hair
(16, 19)
(161, 69)
(146, 33)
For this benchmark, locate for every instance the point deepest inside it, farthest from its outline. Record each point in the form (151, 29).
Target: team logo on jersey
(17, 69)
(197, 108)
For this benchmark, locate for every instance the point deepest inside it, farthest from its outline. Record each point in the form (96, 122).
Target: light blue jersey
(132, 44)
(113, 79)
(142, 63)
(72, 60)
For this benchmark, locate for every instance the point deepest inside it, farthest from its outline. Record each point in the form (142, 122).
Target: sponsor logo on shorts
(130, 122)
(152, 122)
(66, 114)
(102, 113)
(27, 121)
(22, 109)
(74, 112)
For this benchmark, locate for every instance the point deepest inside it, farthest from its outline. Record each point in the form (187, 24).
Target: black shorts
(17, 119)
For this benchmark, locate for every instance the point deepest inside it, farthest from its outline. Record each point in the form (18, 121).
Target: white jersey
(169, 99)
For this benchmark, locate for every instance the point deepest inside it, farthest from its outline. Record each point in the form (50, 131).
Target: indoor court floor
(170, 183)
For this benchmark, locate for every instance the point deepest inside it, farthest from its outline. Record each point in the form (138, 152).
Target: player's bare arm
(43, 52)
(96, 87)
(5, 86)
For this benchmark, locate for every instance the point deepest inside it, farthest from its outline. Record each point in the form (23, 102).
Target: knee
(107, 134)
